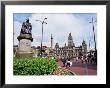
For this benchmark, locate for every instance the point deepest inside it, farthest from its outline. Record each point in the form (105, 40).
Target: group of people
(66, 62)
(88, 58)
(92, 58)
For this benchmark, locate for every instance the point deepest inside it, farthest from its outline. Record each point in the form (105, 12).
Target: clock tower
(70, 41)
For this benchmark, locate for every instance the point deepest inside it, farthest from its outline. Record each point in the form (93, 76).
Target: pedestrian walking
(63, 61)
(68, 63)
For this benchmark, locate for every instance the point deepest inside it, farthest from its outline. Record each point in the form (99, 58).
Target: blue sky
(59, 25)
(20, 17)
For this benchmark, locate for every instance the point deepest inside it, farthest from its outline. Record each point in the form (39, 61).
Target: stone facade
(70, 51)
(24, 45)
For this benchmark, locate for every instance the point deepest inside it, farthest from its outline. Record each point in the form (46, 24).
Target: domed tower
(70, 41)
(84, 47)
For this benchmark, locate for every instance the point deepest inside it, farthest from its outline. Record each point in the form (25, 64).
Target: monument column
(51, 41)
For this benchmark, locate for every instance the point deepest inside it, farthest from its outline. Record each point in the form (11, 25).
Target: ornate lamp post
(43, 22)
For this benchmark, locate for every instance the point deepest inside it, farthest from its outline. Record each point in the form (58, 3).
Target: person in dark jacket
(64, 61)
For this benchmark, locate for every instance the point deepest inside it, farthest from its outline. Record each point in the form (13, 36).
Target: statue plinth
(24, 48)
(25, 36)
(25, 39)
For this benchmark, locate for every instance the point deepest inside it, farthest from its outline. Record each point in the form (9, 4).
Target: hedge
(30, 66)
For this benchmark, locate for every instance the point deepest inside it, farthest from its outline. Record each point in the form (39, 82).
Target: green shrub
(30, 66)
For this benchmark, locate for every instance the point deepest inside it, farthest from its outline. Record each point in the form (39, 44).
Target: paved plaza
(80, 68)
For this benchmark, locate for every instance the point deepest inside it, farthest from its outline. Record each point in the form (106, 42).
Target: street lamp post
(95, 55)
(43, 22)
(92, 22)
(89, 45)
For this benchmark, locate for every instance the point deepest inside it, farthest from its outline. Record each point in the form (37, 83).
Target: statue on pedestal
(26, 31)
(25, 39)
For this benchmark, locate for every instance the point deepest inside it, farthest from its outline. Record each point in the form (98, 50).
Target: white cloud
(17, 29)
(59, 25)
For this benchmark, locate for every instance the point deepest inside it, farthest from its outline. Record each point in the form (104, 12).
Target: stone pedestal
(24, 47)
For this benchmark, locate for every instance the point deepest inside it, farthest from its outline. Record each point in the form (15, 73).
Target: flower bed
(62, 71)
(30, 66)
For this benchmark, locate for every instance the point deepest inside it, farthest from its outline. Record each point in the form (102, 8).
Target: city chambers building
(70, 50)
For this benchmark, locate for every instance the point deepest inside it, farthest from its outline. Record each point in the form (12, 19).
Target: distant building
(71, 50)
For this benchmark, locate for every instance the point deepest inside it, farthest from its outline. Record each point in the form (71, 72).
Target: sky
(59, 25)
